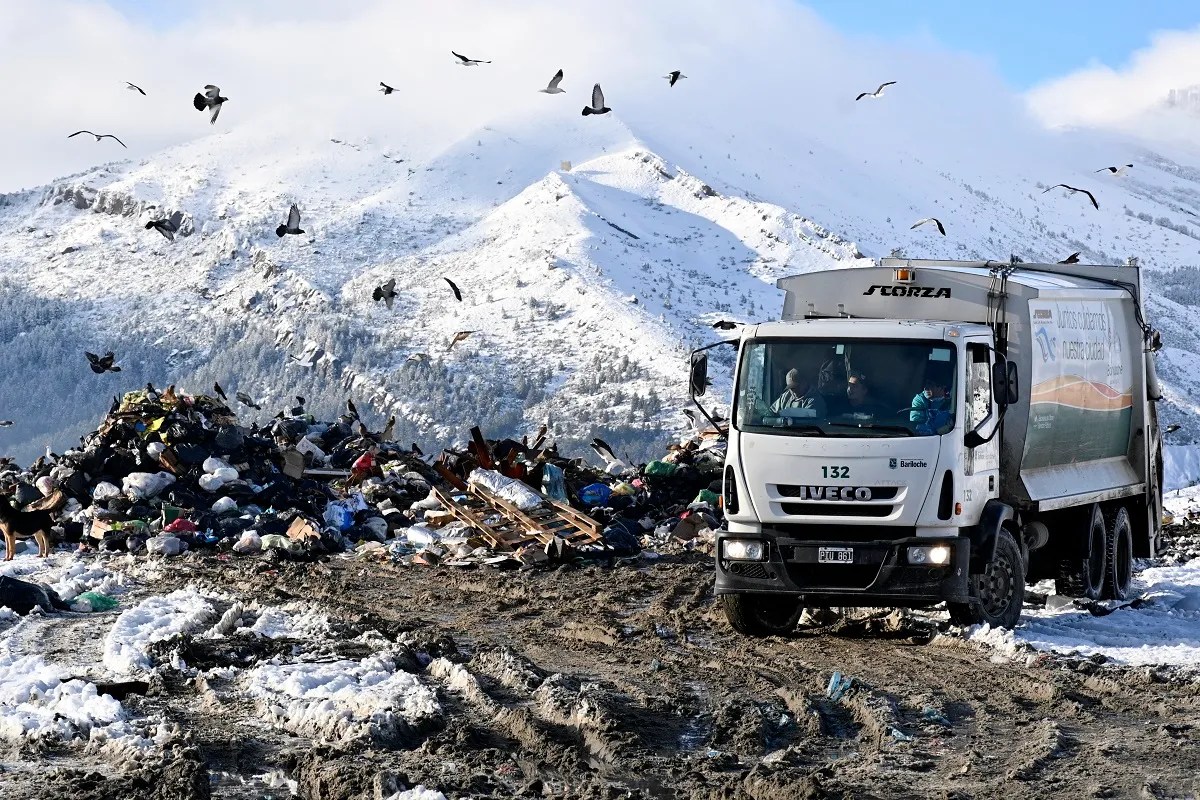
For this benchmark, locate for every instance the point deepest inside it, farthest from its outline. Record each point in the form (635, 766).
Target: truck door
(981, 464)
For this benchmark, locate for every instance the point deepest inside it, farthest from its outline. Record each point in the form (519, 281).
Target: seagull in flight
(383, 87)
(597, 106)
(552, 87)
(210, 99)
(673, 76)
(454, 288)
(467, 62)
(1121, 170)
(1071, 259)
(385, 292)
(603, 450)
(100, 136)
(133, 87)
(168, 226)
(941, 228)
(292, 225)
(246, 399)
(1072, 189)
(877, 93)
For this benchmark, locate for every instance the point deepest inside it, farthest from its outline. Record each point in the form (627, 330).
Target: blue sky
(1028, 41)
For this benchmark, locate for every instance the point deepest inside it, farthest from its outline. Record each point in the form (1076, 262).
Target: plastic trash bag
(553, 485)
(595, 494)
(165, 545)
(145, 485)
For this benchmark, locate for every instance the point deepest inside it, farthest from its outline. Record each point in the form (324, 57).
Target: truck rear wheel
(762, 614)
(998, 593)
(1081, 566)
(1118, 573)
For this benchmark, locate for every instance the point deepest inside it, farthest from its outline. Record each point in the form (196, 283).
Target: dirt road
(627, 682)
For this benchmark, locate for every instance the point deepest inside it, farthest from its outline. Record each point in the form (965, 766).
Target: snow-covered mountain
(584, 287)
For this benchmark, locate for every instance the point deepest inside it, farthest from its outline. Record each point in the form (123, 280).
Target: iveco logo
(909, 291)
(834, 493)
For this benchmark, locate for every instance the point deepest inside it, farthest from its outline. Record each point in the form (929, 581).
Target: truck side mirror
(699, 374)
(1000, 384)
(1012, 382)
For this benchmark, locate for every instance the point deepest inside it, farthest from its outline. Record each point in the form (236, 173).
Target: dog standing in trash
(16, 524)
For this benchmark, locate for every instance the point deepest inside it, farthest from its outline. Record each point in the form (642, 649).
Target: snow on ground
(66, 574)
(292, 621)
(126, 649)
(39, 701)
(344, 700)
(1182, 503)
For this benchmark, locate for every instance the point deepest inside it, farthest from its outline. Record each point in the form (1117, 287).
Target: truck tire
(1118, 572)
(762, 614)
(1081, 566)
(997, 593)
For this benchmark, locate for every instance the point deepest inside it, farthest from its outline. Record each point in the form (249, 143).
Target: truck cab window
(979, 385)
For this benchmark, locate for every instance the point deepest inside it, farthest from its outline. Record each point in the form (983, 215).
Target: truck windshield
(849, 388)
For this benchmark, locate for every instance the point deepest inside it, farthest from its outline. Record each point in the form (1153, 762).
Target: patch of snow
(126, 649)
(290, 622)
(418, 792)
(344, 700)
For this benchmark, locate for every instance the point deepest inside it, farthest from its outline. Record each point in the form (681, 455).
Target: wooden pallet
(505, 526)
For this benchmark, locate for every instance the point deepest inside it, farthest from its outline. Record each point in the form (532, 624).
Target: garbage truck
(920, 432)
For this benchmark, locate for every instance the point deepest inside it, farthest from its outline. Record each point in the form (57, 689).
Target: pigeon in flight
(292, 225)
(725, 325)
(673, 76)
(597, 106)
(1071, 259)
(102, 364)
(133, 87)
(552, 87)
(385, 292)
(168, 226)
(454, 288)
(246, 399)
(467, 62)
(458, 337)
(383, 87)
(1072, 189)
(941, 228)
(211, 99)
(603, 450)
(877, 93)
(220, 392)
(100, 136)
(1121, 170)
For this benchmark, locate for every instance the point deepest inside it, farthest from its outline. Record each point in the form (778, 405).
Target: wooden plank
(465, 515)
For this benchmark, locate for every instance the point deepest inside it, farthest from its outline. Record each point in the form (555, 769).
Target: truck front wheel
(998, 592)
(762, 614)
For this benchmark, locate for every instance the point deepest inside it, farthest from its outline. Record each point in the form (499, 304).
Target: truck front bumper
(879, 575)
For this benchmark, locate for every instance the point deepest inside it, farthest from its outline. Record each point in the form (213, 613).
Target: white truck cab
(916, 432)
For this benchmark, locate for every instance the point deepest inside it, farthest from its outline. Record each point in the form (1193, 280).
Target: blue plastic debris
(899, 735)
(933, 715)
(839, 684)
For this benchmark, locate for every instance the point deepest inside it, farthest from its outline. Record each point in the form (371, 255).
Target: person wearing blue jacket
(931, 407)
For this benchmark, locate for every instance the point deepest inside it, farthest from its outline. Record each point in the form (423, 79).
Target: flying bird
(725, 325)
(292, 225)
(597, 106)
(220, 392)
(100, 136)
(246, 399)
(1071, 259)
(603, 450)
(1121, 170)
(673, 76)
(467, 62)
(454, 288)
(385, 292)
(6, 423)
(941, 228)
(458, 337)
(211, 99)
(418, 357)
(552, 87)
(167, 226)
(877, 93)
(385, 88)
(102, 364)
(133, 87)
(1072, 189)
(691, 415)
(1174, 426)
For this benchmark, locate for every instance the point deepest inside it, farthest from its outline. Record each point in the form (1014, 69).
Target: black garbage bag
(191, 454)
(622, 537)
(22, 596)
(229, 439)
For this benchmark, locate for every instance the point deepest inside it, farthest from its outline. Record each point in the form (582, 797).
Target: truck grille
(877, 492)
(835, 510)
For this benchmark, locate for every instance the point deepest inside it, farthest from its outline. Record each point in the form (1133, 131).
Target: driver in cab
(799, 394)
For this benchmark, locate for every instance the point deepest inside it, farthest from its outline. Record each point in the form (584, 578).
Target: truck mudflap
(878, 575)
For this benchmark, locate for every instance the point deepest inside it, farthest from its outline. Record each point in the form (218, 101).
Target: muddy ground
(626, 681)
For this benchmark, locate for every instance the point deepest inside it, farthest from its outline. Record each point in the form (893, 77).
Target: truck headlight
(932, 555)
(744, 550)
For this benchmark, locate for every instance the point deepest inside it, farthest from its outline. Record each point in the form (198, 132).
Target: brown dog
(22, 525)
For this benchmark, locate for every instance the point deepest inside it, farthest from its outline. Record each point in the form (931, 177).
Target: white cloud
(1129, 98)
(756, 68)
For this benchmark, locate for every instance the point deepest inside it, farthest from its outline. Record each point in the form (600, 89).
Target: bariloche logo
(891, 463)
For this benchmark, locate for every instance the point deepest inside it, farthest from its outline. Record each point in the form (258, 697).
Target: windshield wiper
(799, 428)
(892, 428)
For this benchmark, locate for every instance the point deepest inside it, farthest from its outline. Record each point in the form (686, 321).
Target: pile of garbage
(167, 473)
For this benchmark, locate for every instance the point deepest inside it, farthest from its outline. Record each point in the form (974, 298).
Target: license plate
(835, 555)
